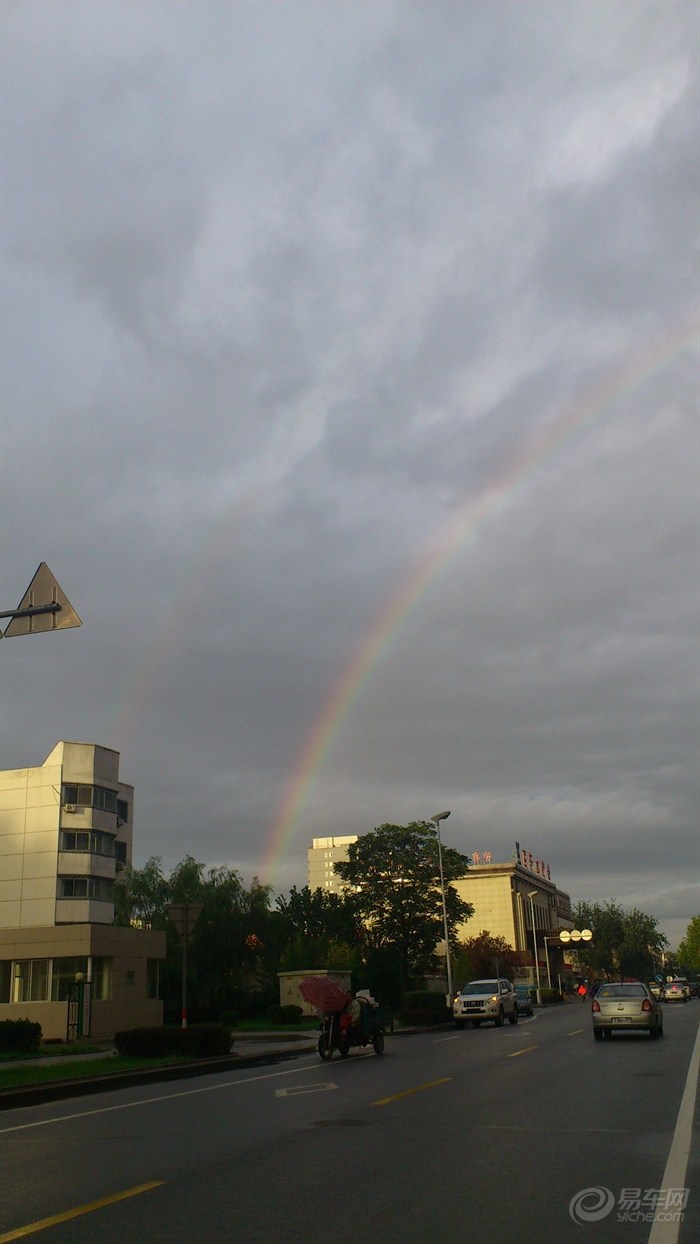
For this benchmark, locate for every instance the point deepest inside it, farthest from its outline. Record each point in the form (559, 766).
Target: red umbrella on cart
(322, 992)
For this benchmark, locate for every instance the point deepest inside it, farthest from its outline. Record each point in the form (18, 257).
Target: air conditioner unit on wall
(69, 807)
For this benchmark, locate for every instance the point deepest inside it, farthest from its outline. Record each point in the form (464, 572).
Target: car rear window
(622, 991)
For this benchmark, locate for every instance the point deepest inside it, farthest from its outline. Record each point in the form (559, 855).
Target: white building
(65, 831)
(323, 854)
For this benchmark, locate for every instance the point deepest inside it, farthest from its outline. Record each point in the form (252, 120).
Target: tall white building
(322, 855)
(65, 832)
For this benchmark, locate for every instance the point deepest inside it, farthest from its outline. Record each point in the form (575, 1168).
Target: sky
(350, 392)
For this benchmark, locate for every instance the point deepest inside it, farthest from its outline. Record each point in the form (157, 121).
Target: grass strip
(52, 1051)
(20, 1077)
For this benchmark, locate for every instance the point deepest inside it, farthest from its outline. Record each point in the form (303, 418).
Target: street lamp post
(531, 894)
(546, 959)
(442, 816)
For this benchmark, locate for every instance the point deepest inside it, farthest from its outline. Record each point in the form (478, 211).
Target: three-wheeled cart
(369, 1030)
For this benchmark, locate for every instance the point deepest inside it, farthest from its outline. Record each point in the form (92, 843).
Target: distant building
(505, 898)
(65, 832)
(323, 854)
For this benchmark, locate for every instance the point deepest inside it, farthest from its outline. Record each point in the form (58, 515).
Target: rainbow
(453, 538)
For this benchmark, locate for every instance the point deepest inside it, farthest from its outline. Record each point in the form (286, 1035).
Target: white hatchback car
(677, 990)
(486, 1001)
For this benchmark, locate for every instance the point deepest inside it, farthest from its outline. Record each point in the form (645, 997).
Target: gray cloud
(291, 294)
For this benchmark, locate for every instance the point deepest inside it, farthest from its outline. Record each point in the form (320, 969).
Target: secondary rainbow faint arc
(454, 537)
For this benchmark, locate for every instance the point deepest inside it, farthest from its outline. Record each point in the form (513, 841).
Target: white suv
(488, 1000)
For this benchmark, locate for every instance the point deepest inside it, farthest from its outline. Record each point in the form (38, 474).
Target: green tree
(486, 955)
(395, 875)
(606, 922)
(186, 882)
(624, 943)
(234, 947)
(689, 948)
(141, 895)
(313, 915)
(228, 938)
(642, 940)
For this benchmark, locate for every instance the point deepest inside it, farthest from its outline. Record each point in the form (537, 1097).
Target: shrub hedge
(197, 1041)
(284, 1014)
(423, 1006)
(549, 996)
(22, 1035)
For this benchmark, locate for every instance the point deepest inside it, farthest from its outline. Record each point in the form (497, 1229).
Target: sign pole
(184, 917)
(185, 934)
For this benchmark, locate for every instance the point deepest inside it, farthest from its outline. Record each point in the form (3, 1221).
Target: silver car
(488, 1000)
(626, 1007)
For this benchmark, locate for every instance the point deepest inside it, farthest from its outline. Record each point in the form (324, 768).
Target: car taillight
(646, 1005)
(596, 1005)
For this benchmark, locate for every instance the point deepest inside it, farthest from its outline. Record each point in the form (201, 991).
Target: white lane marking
(149, 1101)
(298, 1089)
(664, 1232)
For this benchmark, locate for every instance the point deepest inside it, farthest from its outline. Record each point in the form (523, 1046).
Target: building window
(30, 981)
(90, 796)
(92, 841)
(5, 980)
(99, 888)
(153, 978)
(122, 810)
(63, 975)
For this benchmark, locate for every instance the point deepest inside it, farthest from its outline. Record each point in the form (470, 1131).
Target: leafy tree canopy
(394, 872)
(689, 948)
(486, 955)
(316, 914)
(624, 943)
(235, 940)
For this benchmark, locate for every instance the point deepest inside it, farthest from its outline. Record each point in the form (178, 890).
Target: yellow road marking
(515, 1055)
(43, 1223)
(420, 1088)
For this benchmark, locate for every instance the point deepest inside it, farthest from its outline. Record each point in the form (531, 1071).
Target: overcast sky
(350, 390)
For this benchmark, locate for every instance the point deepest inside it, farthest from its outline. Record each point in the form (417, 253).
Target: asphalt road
(487, 1135)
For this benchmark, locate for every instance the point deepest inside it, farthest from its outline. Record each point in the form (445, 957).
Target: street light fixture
(442, 816)
(531, 894)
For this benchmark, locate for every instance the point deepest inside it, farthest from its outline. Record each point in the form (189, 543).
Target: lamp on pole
(531, 894)
(442, 816)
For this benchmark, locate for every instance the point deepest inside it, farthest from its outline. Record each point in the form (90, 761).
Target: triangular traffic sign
(43, 593)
